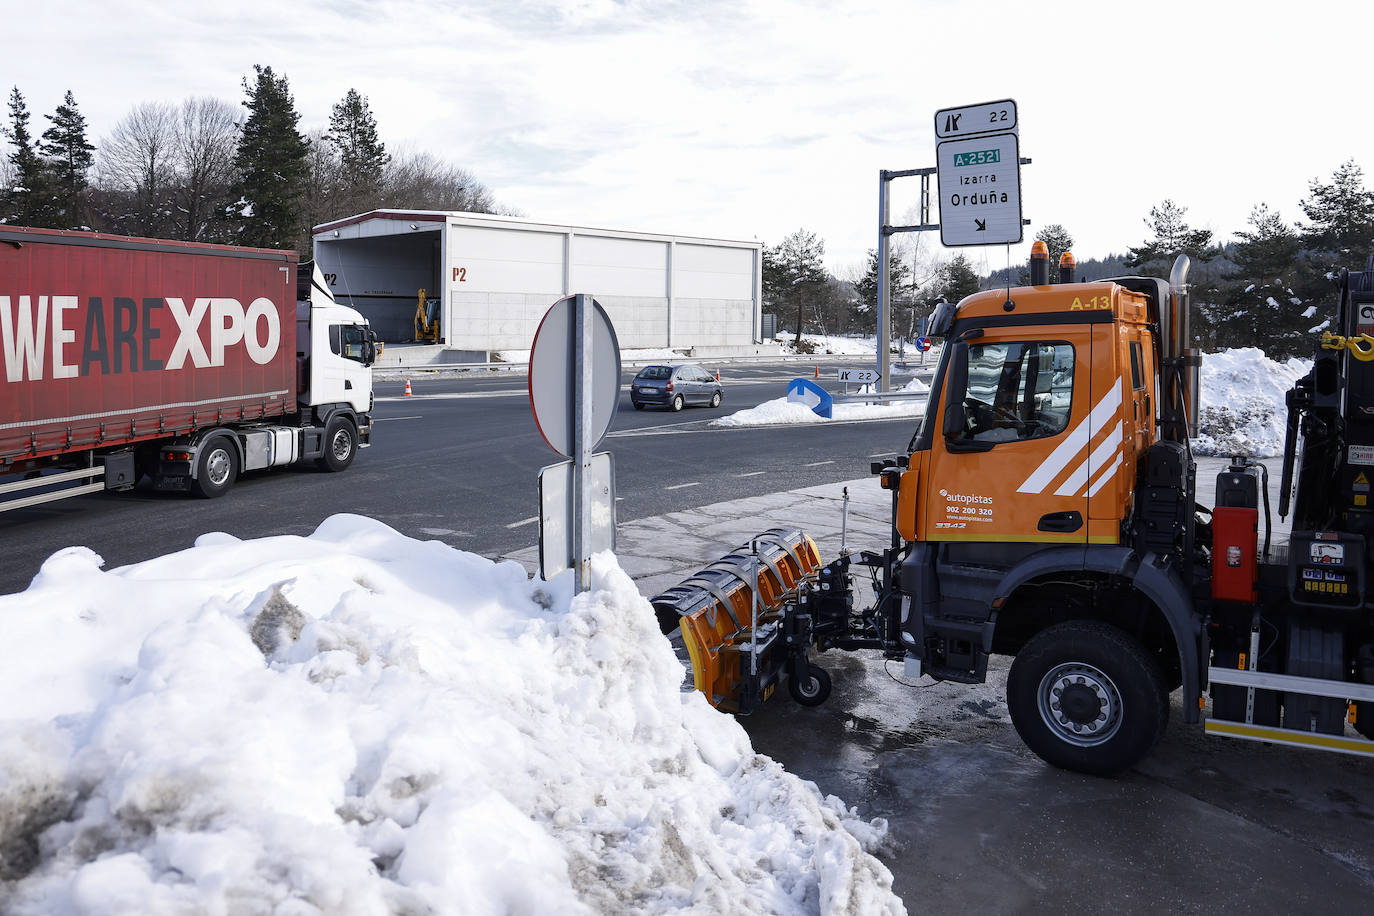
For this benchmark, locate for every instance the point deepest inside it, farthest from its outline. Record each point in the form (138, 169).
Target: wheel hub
(1080, 704)
(217, 468)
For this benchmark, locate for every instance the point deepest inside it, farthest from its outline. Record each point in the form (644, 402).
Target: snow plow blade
(737, 650)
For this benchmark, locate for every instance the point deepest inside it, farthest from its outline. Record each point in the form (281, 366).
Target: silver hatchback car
(675, 387)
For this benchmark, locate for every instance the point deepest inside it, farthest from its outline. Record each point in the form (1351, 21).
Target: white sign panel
(556, 512)
(861, 376)
(980, 190)
(970, 120)
(552, 374)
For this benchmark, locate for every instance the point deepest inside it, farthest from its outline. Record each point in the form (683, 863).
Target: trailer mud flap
(736, 663)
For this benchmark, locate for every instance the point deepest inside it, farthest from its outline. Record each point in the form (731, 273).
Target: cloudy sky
(753, 118)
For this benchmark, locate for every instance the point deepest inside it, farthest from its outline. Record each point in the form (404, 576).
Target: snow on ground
(818, 344)
(780, 411)
(358, 722)
(1241, 410)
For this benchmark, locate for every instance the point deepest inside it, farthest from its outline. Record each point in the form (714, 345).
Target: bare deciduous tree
(137, 162)
(423, 181)
(206, 136)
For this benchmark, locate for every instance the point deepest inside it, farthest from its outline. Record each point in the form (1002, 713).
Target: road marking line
(882, 455)
(816, 464)
(695, 483)
(384, 419)
(750, 474)
(456, 395)
(529, 521)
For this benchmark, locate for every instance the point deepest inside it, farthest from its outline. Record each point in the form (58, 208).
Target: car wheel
(216, 469)
(677, 403)
(715, 399)
(638, 406)
(340, 445)
(811, 686)
(1086, 696)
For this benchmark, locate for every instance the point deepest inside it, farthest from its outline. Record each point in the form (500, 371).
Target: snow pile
(1241, 410)
(781, 412)
(818, 344)
(357, 722)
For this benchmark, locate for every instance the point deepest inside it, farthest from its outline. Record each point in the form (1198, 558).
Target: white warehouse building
(495, 276)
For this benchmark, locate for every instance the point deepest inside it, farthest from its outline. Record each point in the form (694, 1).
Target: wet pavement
(979, 824)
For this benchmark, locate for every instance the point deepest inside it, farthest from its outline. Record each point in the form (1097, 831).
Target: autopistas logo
(968, 499)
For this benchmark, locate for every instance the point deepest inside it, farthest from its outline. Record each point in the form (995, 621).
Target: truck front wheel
(1086, 696)
(216, 469)
(340, 445)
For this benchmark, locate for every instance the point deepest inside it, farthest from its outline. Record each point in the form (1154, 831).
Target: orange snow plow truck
(1045, 510)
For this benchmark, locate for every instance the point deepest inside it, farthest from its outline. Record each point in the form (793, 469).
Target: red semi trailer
(190, 363)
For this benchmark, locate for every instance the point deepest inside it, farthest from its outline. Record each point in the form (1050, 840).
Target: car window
(655, 373)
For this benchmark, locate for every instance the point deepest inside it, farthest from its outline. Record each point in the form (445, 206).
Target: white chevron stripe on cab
(1073, 443)
(1097, 459)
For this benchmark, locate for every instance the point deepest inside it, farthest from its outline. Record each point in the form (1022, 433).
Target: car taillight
(670, 386)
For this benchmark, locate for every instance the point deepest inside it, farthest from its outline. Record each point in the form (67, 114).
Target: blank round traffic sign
(552, 366)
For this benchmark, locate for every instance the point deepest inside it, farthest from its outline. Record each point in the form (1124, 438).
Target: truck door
(1006, 457)
(1123, 371)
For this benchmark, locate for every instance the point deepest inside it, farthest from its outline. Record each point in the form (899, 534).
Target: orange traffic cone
(717, 375)
(407, 394)
(818, 371)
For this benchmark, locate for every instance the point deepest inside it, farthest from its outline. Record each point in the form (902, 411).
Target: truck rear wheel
(340, 445)
(1087, 697)
(216, 469)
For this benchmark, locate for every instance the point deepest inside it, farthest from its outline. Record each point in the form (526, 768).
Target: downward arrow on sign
(982, 225)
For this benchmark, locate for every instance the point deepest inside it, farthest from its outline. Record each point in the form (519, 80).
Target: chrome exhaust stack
(1184, 384)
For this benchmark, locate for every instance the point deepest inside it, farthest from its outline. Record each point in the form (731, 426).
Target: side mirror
(956, 384)
(941, 319)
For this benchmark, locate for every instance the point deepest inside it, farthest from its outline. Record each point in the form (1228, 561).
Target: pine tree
(1262, 307)
(1340, 233)
(960, 279)
(1172, 235)
(1058, 241)
(1341, 214)
(901, 286)
(28, 201)
(69, 158)
(794, 273)
(362, 157)
(271, 162)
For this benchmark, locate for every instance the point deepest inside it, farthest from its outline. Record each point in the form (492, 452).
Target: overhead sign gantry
(979, 191)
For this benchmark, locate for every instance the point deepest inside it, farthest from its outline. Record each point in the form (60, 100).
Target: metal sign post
(581, 403)
(985, 120)
(574, 386)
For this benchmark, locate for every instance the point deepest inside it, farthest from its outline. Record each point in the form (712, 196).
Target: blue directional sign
(805, 391)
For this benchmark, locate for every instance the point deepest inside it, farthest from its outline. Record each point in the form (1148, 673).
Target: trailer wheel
(340, 445)
(216, 469)
(677, 403)
(810, 686)
(1087, 697)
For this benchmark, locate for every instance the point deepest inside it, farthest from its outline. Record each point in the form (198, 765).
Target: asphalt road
(458, 462)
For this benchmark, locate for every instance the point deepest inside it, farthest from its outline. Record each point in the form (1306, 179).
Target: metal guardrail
(880, 396)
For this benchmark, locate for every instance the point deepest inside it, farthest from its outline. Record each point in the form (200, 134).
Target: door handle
(1061, 522)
